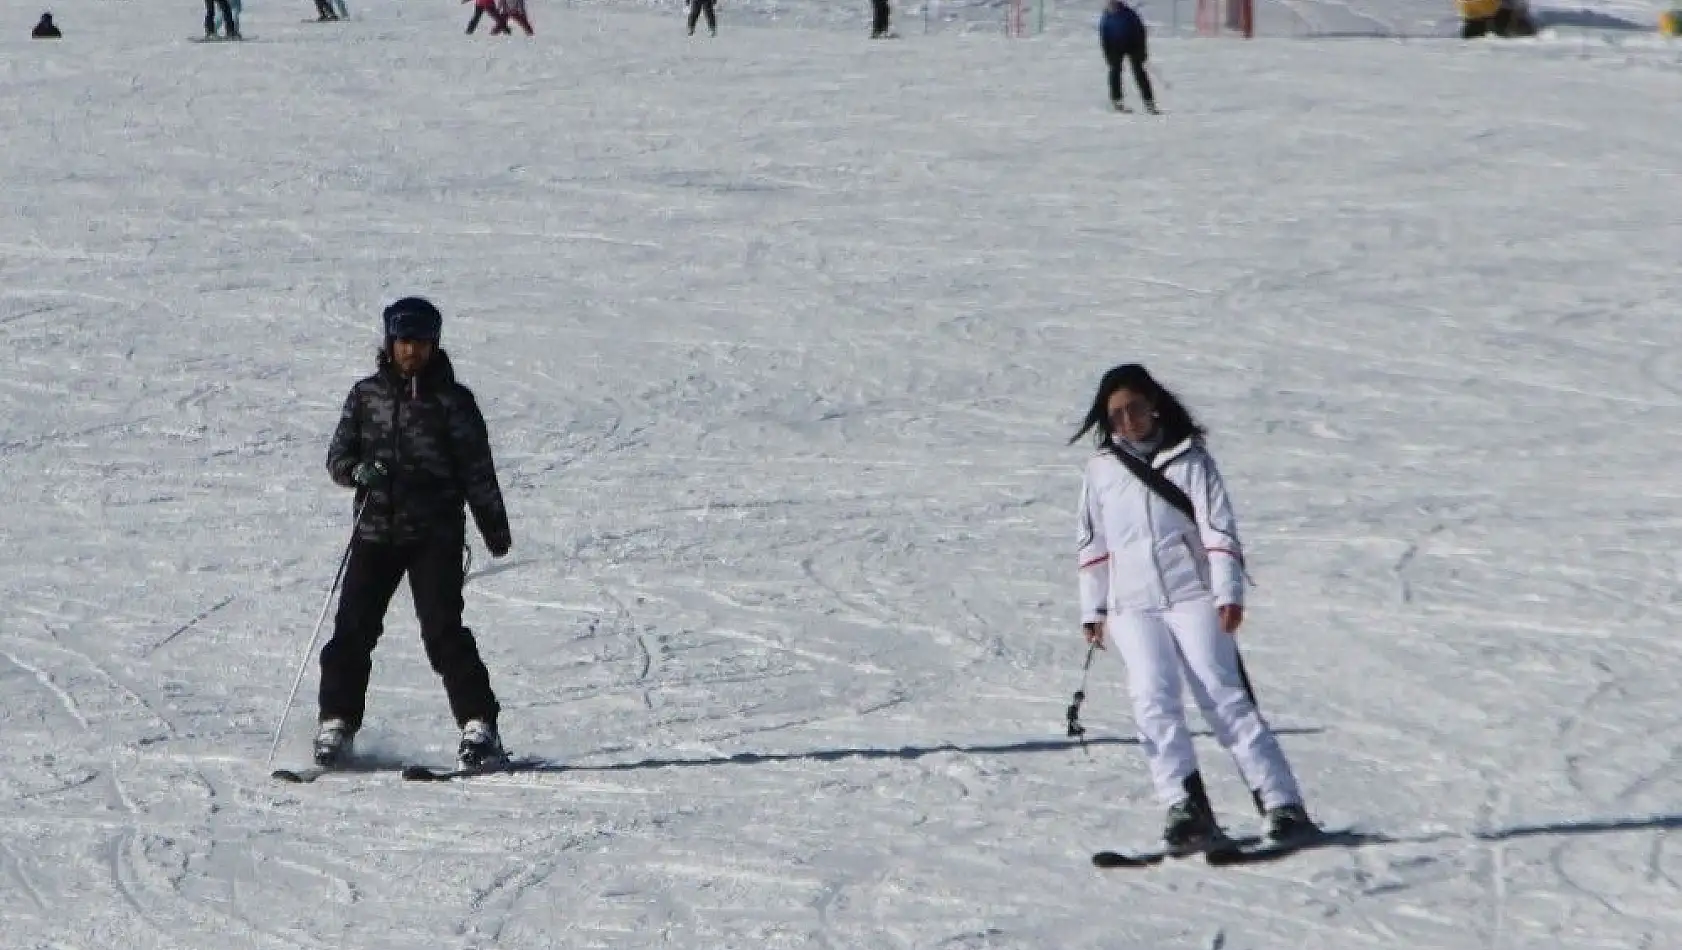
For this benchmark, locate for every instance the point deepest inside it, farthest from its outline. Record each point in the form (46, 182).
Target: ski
(309, 773)
(427, 773)
(1148, 859)
(1262, 851)
(1232, 852)
(1122, 859)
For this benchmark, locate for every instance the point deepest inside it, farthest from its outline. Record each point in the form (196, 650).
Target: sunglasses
(1136, 409)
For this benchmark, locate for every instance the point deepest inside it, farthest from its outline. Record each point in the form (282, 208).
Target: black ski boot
(1191, 821)
(333, 742)
(481, 746)
(1289, 823)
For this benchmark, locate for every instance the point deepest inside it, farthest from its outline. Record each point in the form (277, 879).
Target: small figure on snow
(230, 24)
(237, 9)
(699, 7)
(324, 12)
(880, 12)
(46, 29)
(1122, 33)
(412, 442)
(486, 7)
(1501, 17)
(511, 10)
(1161, 576)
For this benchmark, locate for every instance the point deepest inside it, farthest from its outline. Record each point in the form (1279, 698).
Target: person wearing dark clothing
(482, 8)
(699, 7)
(228, 20)
(412, 443)
(46, 29)
(512, 11)
(324, 11)
(879, 13)
(1123, 36)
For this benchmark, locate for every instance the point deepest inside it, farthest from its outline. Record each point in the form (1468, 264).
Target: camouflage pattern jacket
(429, 433)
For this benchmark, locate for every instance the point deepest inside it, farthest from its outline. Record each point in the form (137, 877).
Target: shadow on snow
(902, 752)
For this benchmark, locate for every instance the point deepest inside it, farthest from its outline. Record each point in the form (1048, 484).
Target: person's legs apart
(435, 580)
(1146, 645)
(370, 579)
(1113, 58)
(1211, 662)
(1136, 59)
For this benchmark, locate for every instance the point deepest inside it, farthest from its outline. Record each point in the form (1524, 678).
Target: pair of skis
(410, 773)
(1222, 851)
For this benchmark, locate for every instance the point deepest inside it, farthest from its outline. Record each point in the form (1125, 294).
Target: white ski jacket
(1138, 551)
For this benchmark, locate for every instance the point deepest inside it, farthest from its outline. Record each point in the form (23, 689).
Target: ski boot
(333, 742)
(1191, 821)
(480, 747)
(1286, 823)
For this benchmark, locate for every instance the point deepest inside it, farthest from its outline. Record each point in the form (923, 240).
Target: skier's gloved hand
(498, 544)
(369, 474)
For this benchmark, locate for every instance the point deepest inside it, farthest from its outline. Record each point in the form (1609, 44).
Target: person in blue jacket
(1122, 34)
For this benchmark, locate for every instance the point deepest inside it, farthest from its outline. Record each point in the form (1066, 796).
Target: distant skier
(512, 10)
(412, 442)
(880, 12)
(482, 8)
(1161, 576)
(1123, 36)
(235, 7)
(324, 11)
(699, 7)
(230, 25)
(46, 29)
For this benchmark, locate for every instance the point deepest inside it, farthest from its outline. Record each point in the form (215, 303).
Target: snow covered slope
(780, 336)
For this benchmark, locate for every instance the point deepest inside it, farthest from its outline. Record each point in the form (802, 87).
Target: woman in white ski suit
(1168, 591)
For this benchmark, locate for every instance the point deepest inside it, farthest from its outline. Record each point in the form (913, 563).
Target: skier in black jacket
(46, 29)
(1124, 38)
(412, 442)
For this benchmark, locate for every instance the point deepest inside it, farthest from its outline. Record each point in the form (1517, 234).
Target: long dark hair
(1173, 420)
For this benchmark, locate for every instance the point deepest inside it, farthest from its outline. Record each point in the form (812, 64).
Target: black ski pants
(1134, 55)
(879, 13)
(227, 17)
(697, 8)
(501, 21)
(435, 575)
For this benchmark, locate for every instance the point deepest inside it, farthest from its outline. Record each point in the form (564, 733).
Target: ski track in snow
(779, 336)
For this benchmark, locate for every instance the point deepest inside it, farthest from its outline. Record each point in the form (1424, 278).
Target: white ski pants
(1156, 645)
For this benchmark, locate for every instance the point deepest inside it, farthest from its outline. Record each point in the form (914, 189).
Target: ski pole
(1076, 730)
(1250, 691)
(309, 648)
